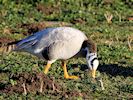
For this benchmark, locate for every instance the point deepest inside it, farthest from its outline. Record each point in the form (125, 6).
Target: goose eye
(89, 57)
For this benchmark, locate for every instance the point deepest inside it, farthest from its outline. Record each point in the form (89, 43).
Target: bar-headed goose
(59, 43)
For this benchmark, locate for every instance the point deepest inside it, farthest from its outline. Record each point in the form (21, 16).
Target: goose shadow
(4, 71)
(110, 69)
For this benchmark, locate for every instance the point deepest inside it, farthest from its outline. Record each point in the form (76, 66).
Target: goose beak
(93, 73)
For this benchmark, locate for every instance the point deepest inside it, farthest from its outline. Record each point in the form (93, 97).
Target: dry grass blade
(101, 83)
(108, 17)
(129, 40)
(24, 87)
(41, 86)
(53, 87)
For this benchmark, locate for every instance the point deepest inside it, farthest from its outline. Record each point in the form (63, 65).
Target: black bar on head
(93, 60)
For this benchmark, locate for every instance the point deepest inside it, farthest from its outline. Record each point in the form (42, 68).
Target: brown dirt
(78, 20)
(74, 94)
(7, 30)
(35, 83)
(35, 27)
(31, 28)
(4, 40)
(48, 9)
(30, 83)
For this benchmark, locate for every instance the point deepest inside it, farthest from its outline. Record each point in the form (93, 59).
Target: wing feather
(27, 42)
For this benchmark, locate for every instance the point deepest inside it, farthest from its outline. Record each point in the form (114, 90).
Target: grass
(116, 58)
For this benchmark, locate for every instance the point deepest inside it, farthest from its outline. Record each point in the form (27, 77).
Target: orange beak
(93, 73)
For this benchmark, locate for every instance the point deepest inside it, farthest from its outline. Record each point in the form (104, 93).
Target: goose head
(91, 56)
(92, 63)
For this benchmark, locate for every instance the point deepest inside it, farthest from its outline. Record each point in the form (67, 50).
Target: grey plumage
(61, 42)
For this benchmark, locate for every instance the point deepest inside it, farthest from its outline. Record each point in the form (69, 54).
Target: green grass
(116, 59)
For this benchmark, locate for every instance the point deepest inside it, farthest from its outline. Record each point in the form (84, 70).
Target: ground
(108, 22)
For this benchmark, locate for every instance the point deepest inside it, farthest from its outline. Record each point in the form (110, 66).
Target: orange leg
(66, 73)
(46, 68)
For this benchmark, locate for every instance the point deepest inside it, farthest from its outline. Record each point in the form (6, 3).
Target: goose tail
(8, 47)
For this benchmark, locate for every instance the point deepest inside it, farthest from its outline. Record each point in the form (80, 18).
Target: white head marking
(92, 60)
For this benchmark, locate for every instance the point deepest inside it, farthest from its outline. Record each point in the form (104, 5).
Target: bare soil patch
(5, 40)
(24, 83)
(48, 9)
(35, 27)
(30, 83)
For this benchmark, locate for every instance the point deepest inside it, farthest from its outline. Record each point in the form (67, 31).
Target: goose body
(61, 43)
(58, 43)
